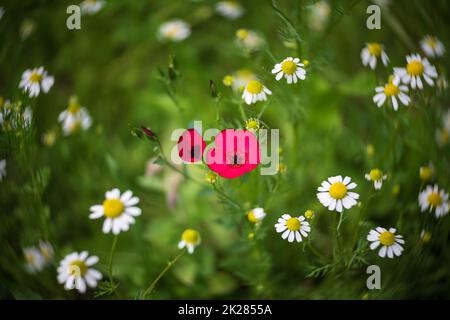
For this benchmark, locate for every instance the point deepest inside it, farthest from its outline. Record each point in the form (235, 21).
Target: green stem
(162, 273)
(111, 255)
(223, 194)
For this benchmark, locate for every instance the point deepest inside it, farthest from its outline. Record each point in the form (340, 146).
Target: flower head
(229, 9)
(119, 211)
(241, 78)
(309, 214)
(46, 250)
(191, 146)
(426, 173)
(416, 69)
(252, 124)
(391, 91)
(434, 199)
(335, 193)
(256, 215)
(74, 118)
(432, 47)
(390, 242)
(292, 228)
(34, 260)
(228, 80)
(291, 68)
(91, 6)
(255, 91)
(425, 236)
(235, 153)
(75, 271)
(249, 40)
(174, 30)
(189, 239)
(211, 177)
(35, 80)
(371, 53)
(376, 176)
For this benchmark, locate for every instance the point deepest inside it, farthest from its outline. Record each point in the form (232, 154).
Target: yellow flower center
(375, 174)
(254, 87)
(426, 236)
(75, 126)
(288, 67)
(338, 190)
(211, 178)
(242, 34)
(415, 68)
(228, 80)
(35, 77)
(191, 236)
(444, 135)
(252, 124)
(112, 208)
(387, 238)
(251, 217)
(74, 107)
(432, 43)
(374, 49)
(293, 224)
(391, 89)
(425, 173)
(309, 214)
(30, 258)
(77, 268)
(434, 199)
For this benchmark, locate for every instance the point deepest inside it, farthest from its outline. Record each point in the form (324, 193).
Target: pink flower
(191, 146)
(235, 153)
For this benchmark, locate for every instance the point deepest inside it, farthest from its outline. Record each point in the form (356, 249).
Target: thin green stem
(110, 263)
(223, 194)
(152, 286)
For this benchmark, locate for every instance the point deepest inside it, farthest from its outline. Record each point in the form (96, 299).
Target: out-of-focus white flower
(229, 9)
(432, 47)
(174, 30)
(2, 169)
(256, 215)
(74, 118)
(434, 199)
(377, 177)
(249, 40)
(35, 80)
(371, 53)
(318, 15)
(92, 6)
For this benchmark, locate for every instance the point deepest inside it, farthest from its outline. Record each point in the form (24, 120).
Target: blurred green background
(326, 123)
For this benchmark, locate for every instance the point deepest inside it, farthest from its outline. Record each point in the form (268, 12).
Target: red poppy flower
(191, 146)
(235, 153)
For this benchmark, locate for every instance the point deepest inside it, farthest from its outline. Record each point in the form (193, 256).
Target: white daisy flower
(432, 47)
(335, 195)
(35, 262)
(391, 91)
(174, 30)
(256, 215)
(74, 118)
(255, 91)
(189, 239)
(35, 80)
(75, 271)
(2, 169)
(229, 9)
(91, 6)
(442, 84)
(371, 53)
(434, 199)
(249, 40)
(377, 176)
(292, 228)
(391, 243)
(416, 68)
(27, 116)
(291, 68)
(119, 211)
(241, 78)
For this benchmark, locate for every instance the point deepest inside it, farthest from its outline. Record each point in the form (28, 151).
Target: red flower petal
(191, 146)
